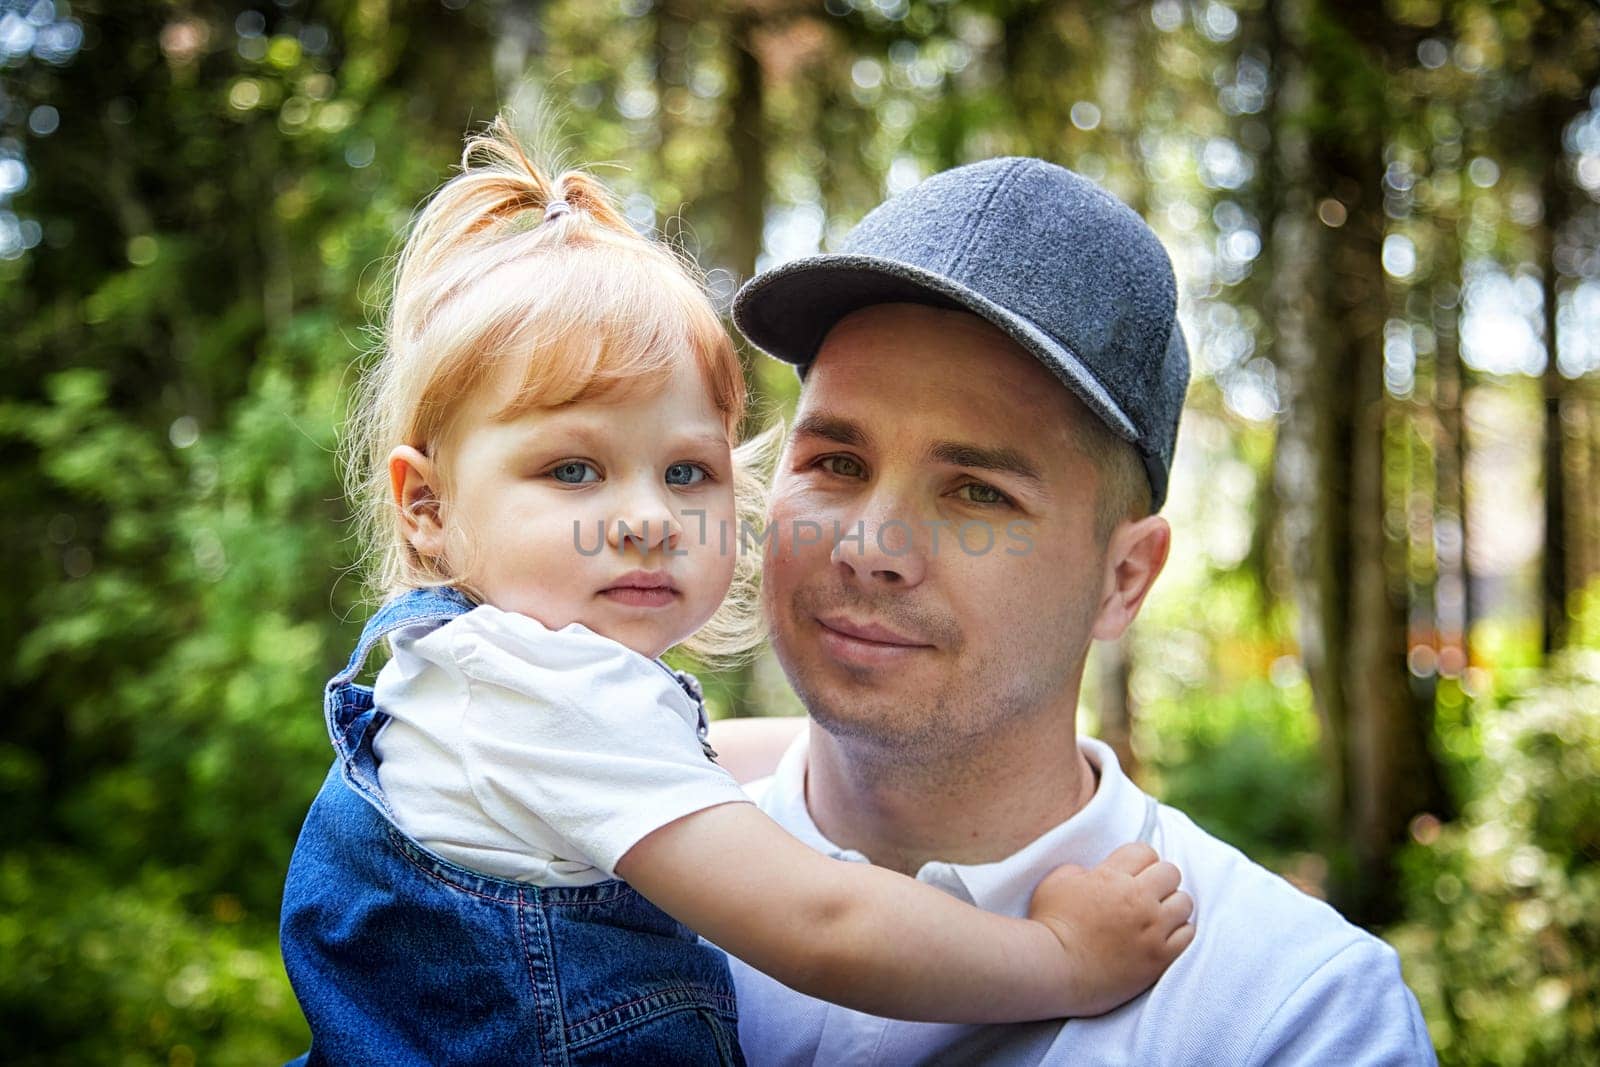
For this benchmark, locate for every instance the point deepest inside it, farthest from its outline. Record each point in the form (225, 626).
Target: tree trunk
(1264, 36)
(749, 144)
(1453, 587)
(1309, 526)
(1555, 573)
(1354, 607)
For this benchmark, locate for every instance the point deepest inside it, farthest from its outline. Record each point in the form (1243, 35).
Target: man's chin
(881, 734)
(855, 723)
(878, 706)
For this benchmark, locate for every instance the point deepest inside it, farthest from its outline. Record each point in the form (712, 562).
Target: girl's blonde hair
(507, 263)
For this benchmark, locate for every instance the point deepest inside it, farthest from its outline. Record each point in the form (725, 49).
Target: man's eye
(843, 466)
(686, 474)
(575, 472)
(978, 493)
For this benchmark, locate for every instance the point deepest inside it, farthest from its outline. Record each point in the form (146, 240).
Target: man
(993, 375)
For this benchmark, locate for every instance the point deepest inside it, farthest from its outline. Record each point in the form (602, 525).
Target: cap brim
(787, 311)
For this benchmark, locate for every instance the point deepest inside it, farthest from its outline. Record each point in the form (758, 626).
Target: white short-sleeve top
(1273, 978)
(537, 755)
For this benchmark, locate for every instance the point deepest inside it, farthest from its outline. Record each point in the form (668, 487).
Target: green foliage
(169, 420)
(1225, 724)
(146, 972)
(1244, 766)
(1586, 616)
(1502, 938)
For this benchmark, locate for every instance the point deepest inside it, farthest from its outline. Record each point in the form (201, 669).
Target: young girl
(524, 828)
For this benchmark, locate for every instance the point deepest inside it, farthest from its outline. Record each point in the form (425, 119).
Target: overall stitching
(667, 999)
(537, 958)
(413, 854)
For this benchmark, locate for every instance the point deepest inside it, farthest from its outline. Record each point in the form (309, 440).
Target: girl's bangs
(617, 327)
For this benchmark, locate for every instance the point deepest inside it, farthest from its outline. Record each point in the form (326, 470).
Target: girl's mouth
(642, 589)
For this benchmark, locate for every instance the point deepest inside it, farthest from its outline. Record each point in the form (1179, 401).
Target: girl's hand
(1120, 923)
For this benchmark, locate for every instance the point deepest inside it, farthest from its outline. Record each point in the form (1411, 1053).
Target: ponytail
(500, 193)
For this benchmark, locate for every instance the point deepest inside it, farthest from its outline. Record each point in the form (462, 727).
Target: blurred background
(1372, 663)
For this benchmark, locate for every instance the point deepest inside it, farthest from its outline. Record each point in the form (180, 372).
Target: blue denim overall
(399, 956)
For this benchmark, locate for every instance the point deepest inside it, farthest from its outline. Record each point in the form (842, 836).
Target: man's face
(969, 597)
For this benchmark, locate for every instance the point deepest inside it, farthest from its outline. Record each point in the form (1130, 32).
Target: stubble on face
(928, 729)
(1009, 635)
(861, 703)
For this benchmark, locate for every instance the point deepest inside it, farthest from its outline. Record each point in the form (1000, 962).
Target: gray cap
(1063, 267)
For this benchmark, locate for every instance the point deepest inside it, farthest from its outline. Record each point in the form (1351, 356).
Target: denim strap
(408, 609)
(348, 707)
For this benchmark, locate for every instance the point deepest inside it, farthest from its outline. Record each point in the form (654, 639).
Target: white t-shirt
(1272, 977)
(536, 755)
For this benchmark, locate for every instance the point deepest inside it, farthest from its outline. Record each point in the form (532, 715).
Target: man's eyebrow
(1001, 459)
(831, 428)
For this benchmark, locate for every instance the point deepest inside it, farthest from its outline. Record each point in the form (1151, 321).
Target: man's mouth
(642, 589)
(865, 643)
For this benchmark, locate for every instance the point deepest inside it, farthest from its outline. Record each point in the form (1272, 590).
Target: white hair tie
(556, 210)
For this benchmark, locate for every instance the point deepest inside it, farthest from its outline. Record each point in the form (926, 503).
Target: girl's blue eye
(575, 472)
(685, 474)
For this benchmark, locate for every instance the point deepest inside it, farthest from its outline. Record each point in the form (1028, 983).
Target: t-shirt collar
(1118, 813)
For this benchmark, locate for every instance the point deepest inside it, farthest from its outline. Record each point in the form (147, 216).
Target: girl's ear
(413, 482)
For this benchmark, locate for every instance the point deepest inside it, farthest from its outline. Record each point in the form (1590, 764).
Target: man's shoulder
(1233, 894)
(1285, 967)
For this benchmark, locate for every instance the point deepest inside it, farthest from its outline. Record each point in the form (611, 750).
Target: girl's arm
(750, 748)
(882, 943)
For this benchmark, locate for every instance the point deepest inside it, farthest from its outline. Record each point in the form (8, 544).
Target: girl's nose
(644, 525)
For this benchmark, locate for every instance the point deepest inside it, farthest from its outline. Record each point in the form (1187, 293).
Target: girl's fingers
(1132, 858)
(1160, 878)
(1176, 910)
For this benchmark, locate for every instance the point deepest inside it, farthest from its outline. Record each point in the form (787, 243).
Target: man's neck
(977, 805)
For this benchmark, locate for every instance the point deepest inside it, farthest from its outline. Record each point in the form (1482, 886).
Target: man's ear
(413, 481)
(1134, 557)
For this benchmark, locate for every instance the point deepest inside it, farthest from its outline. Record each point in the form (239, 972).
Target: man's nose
(886, 545)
